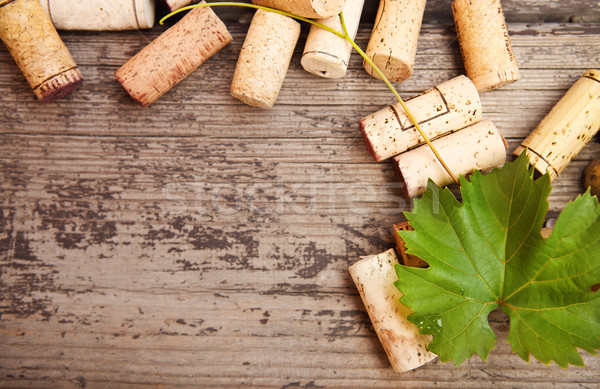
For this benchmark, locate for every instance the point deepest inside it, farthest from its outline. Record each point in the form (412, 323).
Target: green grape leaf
(488, 252)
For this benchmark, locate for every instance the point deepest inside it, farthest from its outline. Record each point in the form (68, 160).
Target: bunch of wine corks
(451, 115)
(569, 126)
(374, 277)
(173, 55)
(33, 42)
(101, 15)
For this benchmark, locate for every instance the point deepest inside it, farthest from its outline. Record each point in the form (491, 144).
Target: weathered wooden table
(201, 242)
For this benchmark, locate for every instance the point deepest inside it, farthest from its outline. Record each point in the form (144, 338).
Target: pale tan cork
(100, 15)
(485, 43)
(172, 56)
(374, 277)
(32, 40)
(264, 59)
(478, 147)
(569, 126)
(305, 8)
(174, 5)
(393, 43)
(448, 107)
(325, 54)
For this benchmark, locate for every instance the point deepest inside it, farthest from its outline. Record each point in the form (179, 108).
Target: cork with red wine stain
(38, 50)
(305, 8)
(172, 56)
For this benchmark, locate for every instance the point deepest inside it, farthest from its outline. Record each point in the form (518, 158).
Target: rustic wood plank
(200, 242)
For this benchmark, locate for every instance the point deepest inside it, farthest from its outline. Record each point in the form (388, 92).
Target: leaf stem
(345, 36)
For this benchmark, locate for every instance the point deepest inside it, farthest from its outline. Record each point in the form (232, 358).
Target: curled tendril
(345, 36)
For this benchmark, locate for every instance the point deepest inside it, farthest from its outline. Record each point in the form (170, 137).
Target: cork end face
(394, 69)
(59, 86)
(145, 13)
(326, 8)
(323, 65)
(368, 142)
(496, 80)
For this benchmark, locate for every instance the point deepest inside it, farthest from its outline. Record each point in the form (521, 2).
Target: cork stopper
(450, 106)
(477, 147)
(405, 347)
(407, 259)
(264, 59)
(172, 56)
(100, 15)
(306, 8)
(485, 43)
(174, 5)
(32, 40)
(393, 43)
(325, 54)
(569, 126)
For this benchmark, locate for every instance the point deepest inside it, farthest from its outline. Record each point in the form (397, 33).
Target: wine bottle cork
(393, 43)
(407, 259)
(100, 15)
(173, 55)
(477, 147)
(174, 5)
(326, 54)
(33, 42)
(264, 59)
(306, 8)
(374, 277)
(448, 107)
(485, 43)
(569, 126)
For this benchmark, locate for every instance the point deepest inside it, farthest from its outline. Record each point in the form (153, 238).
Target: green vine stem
(345, 36)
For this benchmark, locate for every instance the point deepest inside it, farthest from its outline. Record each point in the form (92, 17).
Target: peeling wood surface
(203, 243)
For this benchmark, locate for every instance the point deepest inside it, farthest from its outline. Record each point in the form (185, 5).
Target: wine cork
(173, 55)
(407, 259)
(405, 347)
(264, 58)
(477, 147)
(393, 43)
(305, 8)
(174, 5)
(100, 15)
(569, 126)
(326, 54)
(33, 42)
(448, 107)
(485, 44)
(591, 177)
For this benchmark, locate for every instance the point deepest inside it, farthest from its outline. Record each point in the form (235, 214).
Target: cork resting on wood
(485, 43)
(264, 59)
(569, 126)
(393, 43)
(450, 106)
(173, 55)
(478, 147)
(32, 40)
(305, 8)
(326, 54)
(374, 277)
(100, 14)
(407, 259)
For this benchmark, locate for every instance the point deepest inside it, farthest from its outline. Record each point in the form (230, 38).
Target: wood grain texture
(203, 243)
